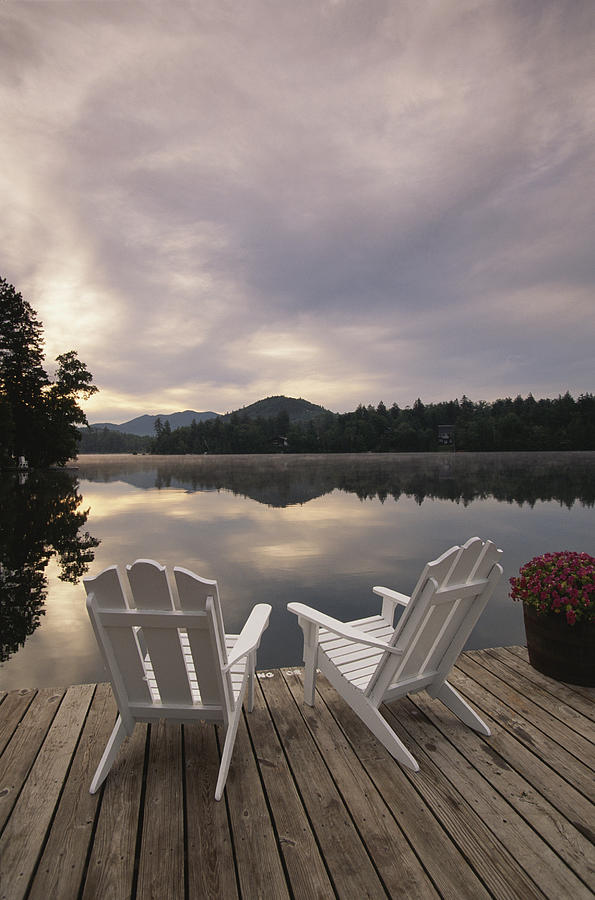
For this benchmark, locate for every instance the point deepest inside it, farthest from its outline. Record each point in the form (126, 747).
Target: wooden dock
(314, 805)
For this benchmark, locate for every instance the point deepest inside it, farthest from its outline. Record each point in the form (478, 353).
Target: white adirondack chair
(168, 655)
(370, 661)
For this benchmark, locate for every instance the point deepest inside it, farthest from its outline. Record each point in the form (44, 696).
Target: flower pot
(562, 651)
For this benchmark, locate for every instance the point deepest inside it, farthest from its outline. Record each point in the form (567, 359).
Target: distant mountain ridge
(297, 409)
(144, 426)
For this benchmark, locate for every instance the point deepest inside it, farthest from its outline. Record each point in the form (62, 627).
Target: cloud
(344, 201)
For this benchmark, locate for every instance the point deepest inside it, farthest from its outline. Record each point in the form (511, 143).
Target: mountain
(145, 425)
(298, 410)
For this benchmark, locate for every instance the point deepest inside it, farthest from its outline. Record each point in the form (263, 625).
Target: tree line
(563, 423)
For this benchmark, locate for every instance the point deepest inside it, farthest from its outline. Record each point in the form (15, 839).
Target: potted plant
(557, 591)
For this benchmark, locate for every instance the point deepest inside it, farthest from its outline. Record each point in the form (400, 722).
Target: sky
(347, 201)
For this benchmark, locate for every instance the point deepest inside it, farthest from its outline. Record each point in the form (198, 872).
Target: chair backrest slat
(487, 560)
(422, 644)
(207, 645)
(119, 646)
(150, 590)
(465, 563)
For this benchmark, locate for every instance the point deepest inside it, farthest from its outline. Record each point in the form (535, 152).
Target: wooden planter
(562, 651)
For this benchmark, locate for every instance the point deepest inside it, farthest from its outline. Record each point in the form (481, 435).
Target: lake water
(319, 529)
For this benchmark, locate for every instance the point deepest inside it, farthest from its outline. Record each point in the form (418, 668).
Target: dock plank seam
(497, 869)
(52, 819)
(358, 844)
(323, 693)
(514, 814)
(556, 689)
(521, 725)
(299, 793)
(228, 812)
(289, 808)
(540, 696)
(430, 806)
(267, 799)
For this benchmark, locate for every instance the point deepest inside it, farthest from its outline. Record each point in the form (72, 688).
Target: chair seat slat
(364, 663)
(378, 630)
(356, 652)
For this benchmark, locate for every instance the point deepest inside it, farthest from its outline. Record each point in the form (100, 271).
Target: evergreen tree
(62, 410)
(22, 377)
(39, 418)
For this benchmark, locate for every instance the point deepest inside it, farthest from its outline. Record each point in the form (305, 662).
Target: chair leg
(109, 755)
(310, 660)
(230, 739)
(251, 665)
(451, 698)
(380, 728)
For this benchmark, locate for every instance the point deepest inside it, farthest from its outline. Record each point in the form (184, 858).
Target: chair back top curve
(162, 641)
(444, 607)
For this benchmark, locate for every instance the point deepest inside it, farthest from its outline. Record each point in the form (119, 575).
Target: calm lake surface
(319, 529)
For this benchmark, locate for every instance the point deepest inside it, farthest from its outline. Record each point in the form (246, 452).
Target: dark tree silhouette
(40, 519)
(38, 418)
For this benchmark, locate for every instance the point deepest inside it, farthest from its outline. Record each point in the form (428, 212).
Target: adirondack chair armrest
(337, 627)
(395, 596)
(390, 599)
(250, 634)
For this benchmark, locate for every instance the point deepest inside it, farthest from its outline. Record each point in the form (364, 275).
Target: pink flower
(558, 581)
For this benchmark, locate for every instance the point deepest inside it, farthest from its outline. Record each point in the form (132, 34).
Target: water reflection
(316, 529)
(41, 519)
(280, 481)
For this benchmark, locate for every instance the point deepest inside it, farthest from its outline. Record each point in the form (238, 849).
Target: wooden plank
(19, 754)
(521, 818)
(350, 868)
(21, 842)
(529, 724)
(453, 810)
(112, 862)
(161, 860)
(211, 867)
(563, 693)
(305, 867)
(574, 720)
(401, 872)
(450, 839)
(585, 691)
(488, 832)
(516, 741)
(61, 868)
(258, 858)
(14, 707)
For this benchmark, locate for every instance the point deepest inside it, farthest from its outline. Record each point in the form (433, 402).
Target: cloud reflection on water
(243, 525)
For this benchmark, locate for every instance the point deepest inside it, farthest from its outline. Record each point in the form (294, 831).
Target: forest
(563, 423)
